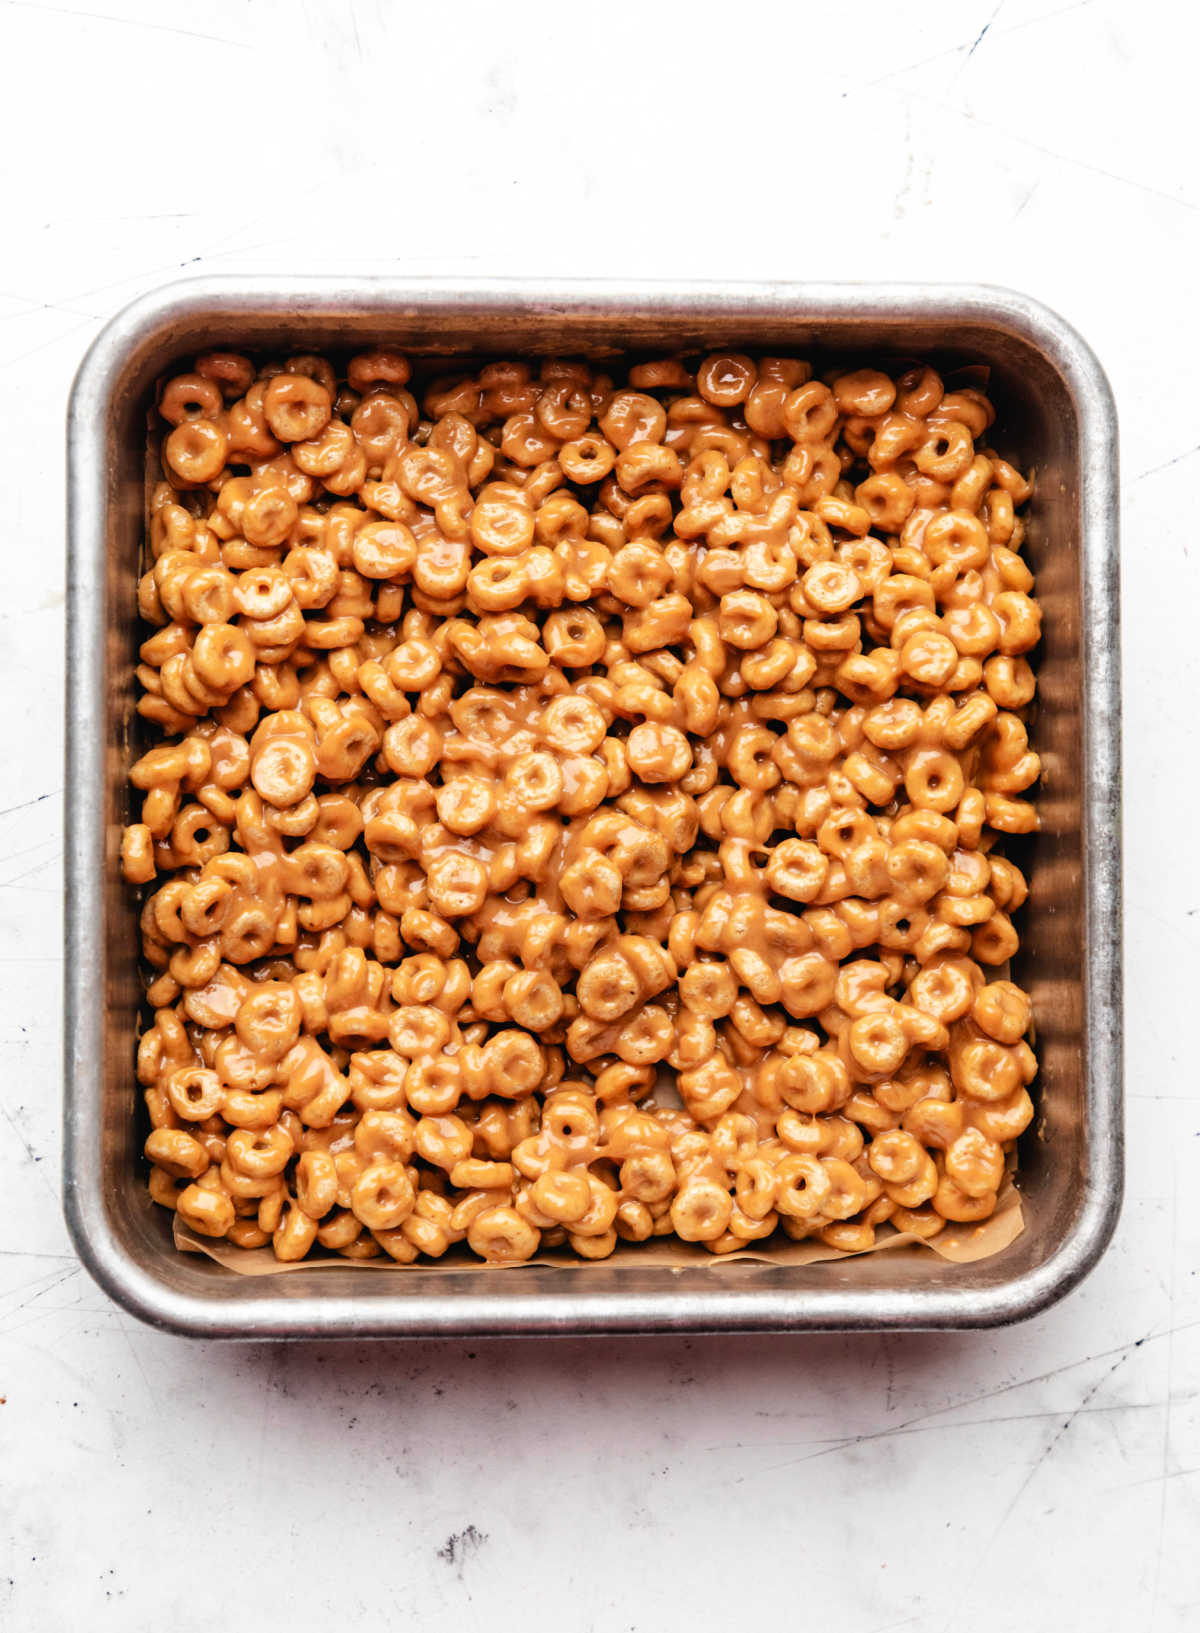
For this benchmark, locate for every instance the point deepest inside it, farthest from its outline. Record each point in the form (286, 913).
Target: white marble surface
(1042, 1478)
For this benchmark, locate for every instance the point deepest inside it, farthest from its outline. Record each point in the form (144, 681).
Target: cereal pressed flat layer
(580, 808)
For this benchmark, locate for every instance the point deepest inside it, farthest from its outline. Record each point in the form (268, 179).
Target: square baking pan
(1055, 414)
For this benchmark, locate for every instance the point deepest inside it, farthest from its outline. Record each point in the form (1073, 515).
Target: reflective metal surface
(1055, 413)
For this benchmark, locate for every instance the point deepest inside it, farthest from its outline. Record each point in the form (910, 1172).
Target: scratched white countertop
(1041, 1478)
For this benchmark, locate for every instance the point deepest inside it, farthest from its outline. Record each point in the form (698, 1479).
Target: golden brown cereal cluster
(580, 804)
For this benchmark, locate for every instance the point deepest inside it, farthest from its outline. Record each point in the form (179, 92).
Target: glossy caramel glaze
(580, 807)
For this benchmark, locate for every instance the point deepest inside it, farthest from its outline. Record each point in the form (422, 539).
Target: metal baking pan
(1056, 415)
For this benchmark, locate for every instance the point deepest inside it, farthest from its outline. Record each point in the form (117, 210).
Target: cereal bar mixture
(577, 805)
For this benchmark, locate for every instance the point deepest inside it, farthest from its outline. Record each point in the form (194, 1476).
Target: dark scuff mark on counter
(460, 1545)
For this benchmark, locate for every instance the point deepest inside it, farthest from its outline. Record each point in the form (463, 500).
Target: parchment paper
(960, 1244)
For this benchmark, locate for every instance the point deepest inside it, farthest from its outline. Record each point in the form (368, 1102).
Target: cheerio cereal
(580, 805)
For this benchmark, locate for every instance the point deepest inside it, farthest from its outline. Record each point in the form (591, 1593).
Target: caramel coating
(576, 805)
